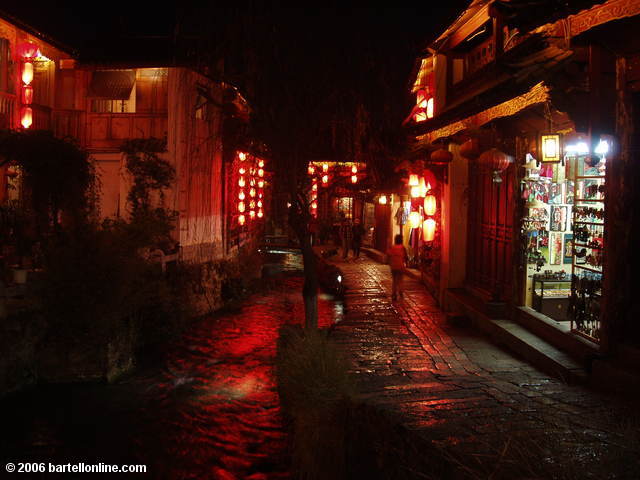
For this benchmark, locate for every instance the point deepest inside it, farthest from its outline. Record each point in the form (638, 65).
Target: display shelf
(590, 177)
(591, 269)
(587, 246)
(589, 223)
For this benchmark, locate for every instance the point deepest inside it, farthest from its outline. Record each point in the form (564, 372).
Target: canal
(208, 409)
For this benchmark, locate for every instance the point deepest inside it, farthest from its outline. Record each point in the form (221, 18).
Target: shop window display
(563, 234)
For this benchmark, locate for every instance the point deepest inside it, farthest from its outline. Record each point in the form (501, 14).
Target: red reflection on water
(222, 417)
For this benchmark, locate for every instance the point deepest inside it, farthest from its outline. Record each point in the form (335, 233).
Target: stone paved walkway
(454, 387)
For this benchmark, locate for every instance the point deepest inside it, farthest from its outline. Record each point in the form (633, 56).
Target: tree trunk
(310, 287)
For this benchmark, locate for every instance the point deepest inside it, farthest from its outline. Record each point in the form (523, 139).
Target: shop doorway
(563, 231)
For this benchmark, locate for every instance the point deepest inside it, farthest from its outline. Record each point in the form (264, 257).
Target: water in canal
(209, 410)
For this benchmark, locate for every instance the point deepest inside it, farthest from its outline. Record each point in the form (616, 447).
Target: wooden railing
(7, 106)
(108, 130)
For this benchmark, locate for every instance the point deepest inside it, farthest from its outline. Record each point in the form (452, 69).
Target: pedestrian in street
(397, 260)
(356, 237)
(346, 233)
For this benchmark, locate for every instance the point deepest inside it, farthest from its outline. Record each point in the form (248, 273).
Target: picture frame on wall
(568, 248)
(558, 218)
(556, 251)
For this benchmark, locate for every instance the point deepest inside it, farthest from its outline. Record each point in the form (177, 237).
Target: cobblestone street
(452, 386)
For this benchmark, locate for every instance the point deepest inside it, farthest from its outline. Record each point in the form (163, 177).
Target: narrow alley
(451, 386)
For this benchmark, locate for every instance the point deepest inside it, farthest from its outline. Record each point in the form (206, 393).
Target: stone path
(453, 387)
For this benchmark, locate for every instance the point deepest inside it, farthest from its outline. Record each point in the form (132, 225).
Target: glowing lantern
(429, 230)
(28, 50)
(242, 156)
(27, 95)
(261, 163)
(354, 178)
(415, 192)
(550, 148)
(314, 187)
(494, 161)
(27, 73)
(252, 192)
(441, 156)
(26, 117)
(430, 204)
(260, 214)
(423, 187)
(259, 203)
(413, 180)
(241, 182)
(325, 167)
(260, 183)
(241, 219)
(241, 207)
(252, 204)
(252, 214)
(241, 195)
(260, 172)
(382, 200)
(325, 180)
(354, 169)
(311, 170)
(259, 194)
(414, 219)
(242, 171)
(252, 182)
(314, 205)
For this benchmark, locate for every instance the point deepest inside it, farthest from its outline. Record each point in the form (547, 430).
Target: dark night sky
(357, 45)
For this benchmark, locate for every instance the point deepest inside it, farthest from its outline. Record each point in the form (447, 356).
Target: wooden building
(537, 107)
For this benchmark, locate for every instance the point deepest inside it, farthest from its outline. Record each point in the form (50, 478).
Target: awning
(112, 84)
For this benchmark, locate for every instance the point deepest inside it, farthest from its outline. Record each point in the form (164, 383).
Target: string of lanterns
(29, 52)
(250, 187)
(426, 210)
(321, 173)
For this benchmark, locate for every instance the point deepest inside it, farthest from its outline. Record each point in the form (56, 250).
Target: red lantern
(414, 180)
(495, 162)
(241, 219)
(470, 149)
(354, 178)
(441, 157)
(414, 219)
(28, 50)
(27, 73)
(26, 117)
(27, 95)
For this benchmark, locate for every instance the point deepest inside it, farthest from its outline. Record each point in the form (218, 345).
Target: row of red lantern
(28, 51)
(312, 169)
(423, 216)
(251, 187)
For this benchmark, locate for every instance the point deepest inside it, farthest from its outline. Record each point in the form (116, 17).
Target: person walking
(356, 237)
(346, 234)
(397, 260)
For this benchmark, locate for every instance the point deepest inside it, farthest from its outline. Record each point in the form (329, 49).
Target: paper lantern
(325, 180)
(429, 230)
(430, 205)
(495, 162)
(241, 207)
(311, 170)
(241, 195)
(261, 163)
(259, 203)
(413, 180)
(252, 204)
(260, 214)
(27, 95)
(325, 167)
(414, 219)
(314, 187)
(241, 182)
(260, 172)
(441, 156)
(27, 73)
(382, 200)
(260, 183)
(354, 169)
(26, 117)
(242, 156)
(241, 219)
(415, 192)
(314, 205)
(470, 149)
(252, 192)
(252, 214)
(28, 50)
(354, 178)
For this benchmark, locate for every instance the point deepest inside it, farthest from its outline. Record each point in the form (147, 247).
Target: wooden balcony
(109, 130)
(7, 108)
(66, 123)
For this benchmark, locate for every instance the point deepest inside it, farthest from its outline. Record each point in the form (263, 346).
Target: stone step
(516, 338)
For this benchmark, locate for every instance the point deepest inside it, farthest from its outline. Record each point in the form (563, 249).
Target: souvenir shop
(563, 230)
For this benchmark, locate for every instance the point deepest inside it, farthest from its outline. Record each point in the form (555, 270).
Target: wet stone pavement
(454, 387)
